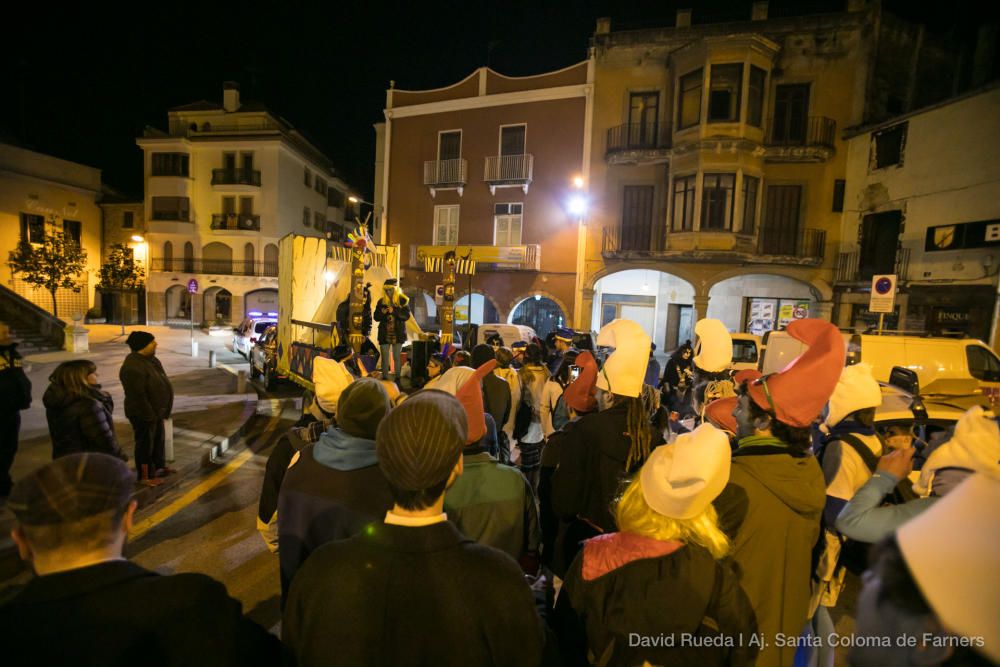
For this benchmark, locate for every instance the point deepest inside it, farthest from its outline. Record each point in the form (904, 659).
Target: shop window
(756, 85)
(724, 93)
(683, 214)
(689, 106)
(751, 185)
(717, 195)
(887, 146)
(764, 314)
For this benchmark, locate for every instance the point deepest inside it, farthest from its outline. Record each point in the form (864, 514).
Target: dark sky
(82, 85)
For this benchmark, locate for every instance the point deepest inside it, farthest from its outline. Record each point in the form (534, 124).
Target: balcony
(850, 270)
(487, 257)
(236, 177)
(509, 171)
(638, 143)
(242, 222)
(712, 246)
(219, 267)
(446, 175)
(795, 142)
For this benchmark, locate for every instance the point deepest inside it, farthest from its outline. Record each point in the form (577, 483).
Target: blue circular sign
(193, 286)
(883, 285)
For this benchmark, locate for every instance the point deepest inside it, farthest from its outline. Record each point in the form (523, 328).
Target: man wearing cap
(334, 487)
(772, 505)
(149, 398)
(88, 605)
(391, 313)
(517, 349)
(563, 341)
(414, 590)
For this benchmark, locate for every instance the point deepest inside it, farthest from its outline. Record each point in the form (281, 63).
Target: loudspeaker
(419, 354)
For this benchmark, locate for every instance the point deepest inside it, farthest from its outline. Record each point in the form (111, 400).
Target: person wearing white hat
(932, 595)
(662, 575)
(712, 365)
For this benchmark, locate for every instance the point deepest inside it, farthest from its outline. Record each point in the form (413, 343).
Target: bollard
(194, 348)
(168, 439)
(211, 358)
(241, 382)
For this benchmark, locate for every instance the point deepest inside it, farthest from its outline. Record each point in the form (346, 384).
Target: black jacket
(15, 386)
(118, 613)
(391, 326)
(149, 396)
(496, 399)
(397, 595)
(81, 423)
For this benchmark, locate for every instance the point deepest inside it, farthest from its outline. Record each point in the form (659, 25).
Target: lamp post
(141, 252)
(577, 205)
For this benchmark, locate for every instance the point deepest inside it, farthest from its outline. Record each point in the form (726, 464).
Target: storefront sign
(981, 234)
(861, 314)
(944, 316)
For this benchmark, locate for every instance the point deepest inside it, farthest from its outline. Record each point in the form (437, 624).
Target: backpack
(522, 418)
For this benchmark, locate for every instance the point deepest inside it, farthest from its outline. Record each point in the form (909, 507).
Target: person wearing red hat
(772, 505)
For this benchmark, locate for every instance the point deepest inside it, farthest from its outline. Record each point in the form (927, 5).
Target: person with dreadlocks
(610, 444)
(713, 359)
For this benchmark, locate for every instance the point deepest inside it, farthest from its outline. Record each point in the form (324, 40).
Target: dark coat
(623, 584)
(149, 396)
(118, 613)
(391, 326)
(411, 596)
(15, 386)
(81, 423)
(496, 398)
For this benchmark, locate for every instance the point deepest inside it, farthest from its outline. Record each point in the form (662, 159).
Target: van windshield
(744, 351)
(983, 364)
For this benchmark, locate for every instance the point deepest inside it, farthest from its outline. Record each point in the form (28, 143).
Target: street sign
(883, 298)
(439, 294)
(193, 286)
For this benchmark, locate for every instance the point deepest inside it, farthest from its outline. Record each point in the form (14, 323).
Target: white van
(510, 333)
(746, 351)
(964, 369)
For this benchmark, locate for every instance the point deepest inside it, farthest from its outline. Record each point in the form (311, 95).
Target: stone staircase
(35, 329)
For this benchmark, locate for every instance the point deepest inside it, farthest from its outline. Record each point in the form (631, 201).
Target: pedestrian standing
(16, 391)
(506, 372)
(391, 312)
(563, 343)
(533, 376)
(553, 408)
(149, 399)
(676, 378)
(496, 392)
(79, 413)
(653, 367)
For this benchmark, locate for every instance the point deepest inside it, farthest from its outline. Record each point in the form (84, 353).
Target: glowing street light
(577, 205)
(137, 238)
(578, 182)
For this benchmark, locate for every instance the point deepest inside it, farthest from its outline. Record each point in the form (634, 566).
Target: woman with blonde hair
(79, 413)
(664, 575)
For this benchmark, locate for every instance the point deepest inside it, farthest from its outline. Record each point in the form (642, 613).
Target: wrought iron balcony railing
(818, 131)
(443, 173)
(221, 267)
(638, 137)
(246, 222)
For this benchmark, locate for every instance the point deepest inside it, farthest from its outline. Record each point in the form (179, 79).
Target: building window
(684, 192)
(756, 85)
(335, 198)
(643, 114)
(724, 93)
(512, 139)
(170, 164)
(172, 208)
(445, 225)
(507, 224)
(637, 217)
(839, 186)
(32, 228)
(229, 162)
(246, 205)
(128, 220)
(791, 113)
(689, 110)
(450, 145)
(306, 216)
(750, 188)
(319, 221)
(717, 195)
(73, 231)
(320, 186)
(888, 146)
(308, 178)
(779, 233)
(247, 161)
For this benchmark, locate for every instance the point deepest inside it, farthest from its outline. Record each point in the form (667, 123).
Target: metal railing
(509, 168)
(526, 257)
(236, 221)
(446, 172)
(808, 244)
(221, 267)
(638, 136)
(849, 268)
(236, 177)
(817, 131)
(631, 239)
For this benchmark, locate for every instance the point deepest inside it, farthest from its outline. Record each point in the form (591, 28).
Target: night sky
(82, 85)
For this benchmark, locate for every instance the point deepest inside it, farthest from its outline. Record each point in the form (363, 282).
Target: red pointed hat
(579, 395)
(470, 395)
(796, 394)
(720, 414)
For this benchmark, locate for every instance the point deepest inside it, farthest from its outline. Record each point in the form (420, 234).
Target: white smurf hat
(974, 446)
(625, 369)
(330, 379)
(857, 389)
(952, 550)
(680, 480)
(714, 347)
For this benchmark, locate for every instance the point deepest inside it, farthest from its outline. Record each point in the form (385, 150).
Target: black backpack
(522, 419)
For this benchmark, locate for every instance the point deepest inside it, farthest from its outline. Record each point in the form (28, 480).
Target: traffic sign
(193, 286)
(883, 296)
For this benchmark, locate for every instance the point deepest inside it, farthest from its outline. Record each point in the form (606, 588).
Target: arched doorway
(481, 309)
(217, 258)
(177, 303)
(661, 303)
(758, 303)
(217, 307)
(423, 308)
(270, 260)
(261, 303)
(540, 313)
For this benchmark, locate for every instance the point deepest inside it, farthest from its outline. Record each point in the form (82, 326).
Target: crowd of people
(525, 508)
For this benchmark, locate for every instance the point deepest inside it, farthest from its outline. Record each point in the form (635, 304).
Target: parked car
(247, 333)
(264, 357)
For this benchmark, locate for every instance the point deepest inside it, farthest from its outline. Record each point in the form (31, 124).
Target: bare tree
(54, 263)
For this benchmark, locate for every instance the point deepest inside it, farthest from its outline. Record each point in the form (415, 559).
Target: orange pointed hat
(470, 395)
(796, 394)
(579, 395)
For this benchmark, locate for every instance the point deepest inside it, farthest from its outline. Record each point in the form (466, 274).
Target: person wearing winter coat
(664, 573)
(533, 375)
(553, 415)
(677, 374)
(496, 392)
(391, 313)
(79, 413)
(505, 372)
(149, 399)
(15, 387)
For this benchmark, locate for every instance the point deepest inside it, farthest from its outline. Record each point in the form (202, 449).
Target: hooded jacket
(391, 326)
(14, 384)
(771, 510)
(81, 423)
(623, 584)
(149, 396)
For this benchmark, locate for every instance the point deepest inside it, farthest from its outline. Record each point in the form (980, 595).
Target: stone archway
(665, 304)
(480, 306)
(539, 311)
(760, 302)
(422, 308)
(177, 303)
(217, 306)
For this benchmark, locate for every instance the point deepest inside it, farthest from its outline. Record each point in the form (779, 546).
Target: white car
(247, 333)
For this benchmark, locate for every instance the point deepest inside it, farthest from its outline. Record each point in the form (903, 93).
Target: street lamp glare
(353, 200)
(577, 205)
(578, 182)
(137, 238)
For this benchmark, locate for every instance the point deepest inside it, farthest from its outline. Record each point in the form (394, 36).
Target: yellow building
(717, 167)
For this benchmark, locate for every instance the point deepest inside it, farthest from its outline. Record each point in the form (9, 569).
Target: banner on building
(960, 236)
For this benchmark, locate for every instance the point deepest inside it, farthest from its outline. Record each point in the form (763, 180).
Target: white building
(222, 186)
(922, 201)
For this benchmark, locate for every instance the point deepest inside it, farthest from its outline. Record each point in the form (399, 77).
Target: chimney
(759, 11)
(683, 18)
(603, 26)
(230, 96)
(982, 59)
